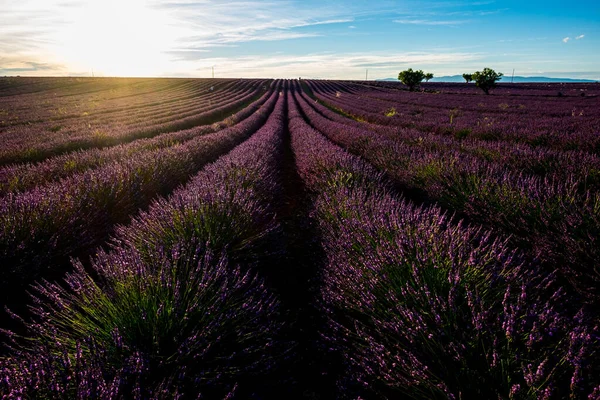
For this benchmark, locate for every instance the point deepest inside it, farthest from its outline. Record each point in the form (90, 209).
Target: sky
(298, 38)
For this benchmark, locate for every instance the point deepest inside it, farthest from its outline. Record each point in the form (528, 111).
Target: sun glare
(116, 38)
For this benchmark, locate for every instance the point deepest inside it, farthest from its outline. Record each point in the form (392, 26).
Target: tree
(486, 79)
(428, 76)
(468, 77)
(411, 78)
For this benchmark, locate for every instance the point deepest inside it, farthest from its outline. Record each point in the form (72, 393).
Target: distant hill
(517, 79)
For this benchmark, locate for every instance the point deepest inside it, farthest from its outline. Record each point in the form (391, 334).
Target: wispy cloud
(9, 67)
(152, 34)
(324, 22)
(232, 38)
(250, 38)
(472, 13)
(329, 65)
(430, 22)
(236, 21)
(566, 40)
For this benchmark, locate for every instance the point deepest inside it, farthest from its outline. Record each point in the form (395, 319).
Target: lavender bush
(171, 315)
(423, 307)
(554, 217)
(29, 145)
(21, 177)
(447, 230)
(44, 226)
(543, 121)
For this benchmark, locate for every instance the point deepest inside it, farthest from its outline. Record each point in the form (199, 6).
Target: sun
(116, 38)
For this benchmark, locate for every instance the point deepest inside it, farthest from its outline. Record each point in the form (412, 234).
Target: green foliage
(455, 112)
(486, 79)
(390, 112)
(411, 78)
(428, 76)
(467, 77)
(462, 133)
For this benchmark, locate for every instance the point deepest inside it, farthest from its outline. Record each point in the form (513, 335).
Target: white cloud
(206, 23)
(142, 37)
(180, 37)
(187, 37)
(329, 65)
(565, 40)
(324, 22)
(579, 37)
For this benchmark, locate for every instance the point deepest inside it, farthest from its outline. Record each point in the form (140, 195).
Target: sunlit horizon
(287, 39)
(119, 38)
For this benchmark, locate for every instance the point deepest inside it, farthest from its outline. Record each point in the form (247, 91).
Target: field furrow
(31, 146)
(20, 177)
(298, 239)
(193, 255)
(419, 305)
(555, 217)
(572, 126)
(43, 227)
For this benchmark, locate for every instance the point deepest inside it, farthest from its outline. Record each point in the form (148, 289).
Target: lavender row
(67, 115)
(536, 106)
(558, 219)
(516, 90)
(43, 227)
(458, 112)
(177, 308)
(32, 146)
(574, 131)
(539, 106)
(421, 307)
(63, 103)
(517, 157)
(546, 213)
(571, 133)
(87, 128)
(156, 99)
(21, 177)
(83, 127)
(49, 109)
(164, 111)
(20, 86)
(577, 131)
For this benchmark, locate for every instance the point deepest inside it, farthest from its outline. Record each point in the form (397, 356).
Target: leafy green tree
(411, 78)
(486, 79)
(428, 76)
(467, 77)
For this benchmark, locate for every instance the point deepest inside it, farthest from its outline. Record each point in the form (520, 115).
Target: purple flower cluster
(20, 177)
(176, 307)
(23, 143)
(504, 88)
(511, 155)
(88, 205)
(421, 306)
(535, 160)
(555, 216)
(454, 238)
(563, 124)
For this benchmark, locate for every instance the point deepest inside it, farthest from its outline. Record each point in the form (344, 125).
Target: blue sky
(312, 39)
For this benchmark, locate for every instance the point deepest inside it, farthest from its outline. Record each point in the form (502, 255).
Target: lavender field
(311, 239)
